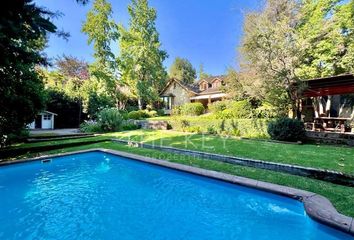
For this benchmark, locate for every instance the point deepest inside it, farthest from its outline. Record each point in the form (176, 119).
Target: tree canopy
(183, 70)
(24, 29)
(102, 31)
(289, 41)
(141, 58)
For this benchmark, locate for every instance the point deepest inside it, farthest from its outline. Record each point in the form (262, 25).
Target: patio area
(327, 104)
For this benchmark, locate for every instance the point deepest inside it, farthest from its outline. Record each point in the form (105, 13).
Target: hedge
(250, 128)
(192, 109)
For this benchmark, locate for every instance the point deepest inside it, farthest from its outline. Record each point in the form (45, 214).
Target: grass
(318, 156)
(341, 196)
(56, 142)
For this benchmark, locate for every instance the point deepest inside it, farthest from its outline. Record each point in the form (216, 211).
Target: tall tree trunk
(140, 103)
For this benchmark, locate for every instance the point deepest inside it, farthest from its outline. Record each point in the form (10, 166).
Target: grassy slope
(318, 156)
(342, 197)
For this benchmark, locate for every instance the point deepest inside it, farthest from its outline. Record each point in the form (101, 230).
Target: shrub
(211, 129)
(232, 109)
(179, 124)
(90, 127)
(19, 135)
(193, 129)
(144, 113)
(218, 106)
(286, 129)
(241, 109)
(135, 115)
(152, 113)
(266, 110)
(250, 128)
(160, 112)
(110, 119)
(130, 126)
(225, 114)
(192, 109)
(176, 110)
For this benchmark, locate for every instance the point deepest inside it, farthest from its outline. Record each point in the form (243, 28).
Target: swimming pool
(98, 195)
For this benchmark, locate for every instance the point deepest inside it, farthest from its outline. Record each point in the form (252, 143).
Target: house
(44, 120)
(206, 91)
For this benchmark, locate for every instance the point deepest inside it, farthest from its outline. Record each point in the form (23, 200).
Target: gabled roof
(47, 112)
(194, 88)
(189, 88)
(212, 79)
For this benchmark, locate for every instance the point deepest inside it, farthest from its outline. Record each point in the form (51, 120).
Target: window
(47, 117)
(203, 86)
(167, 102)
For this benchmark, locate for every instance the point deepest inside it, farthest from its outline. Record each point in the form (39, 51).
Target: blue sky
(203, 31)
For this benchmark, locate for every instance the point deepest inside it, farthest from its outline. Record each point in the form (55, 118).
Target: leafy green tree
(202, 74)
(102, 31)
(273, 49)
(327, 33)
(141, 59)
(291, 40)
(24, 28)
(183, 70)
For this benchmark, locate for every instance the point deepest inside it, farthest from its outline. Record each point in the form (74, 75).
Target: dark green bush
(130, 126)
(286, 129)
(17, 136)
(192, 109)
(160, 112)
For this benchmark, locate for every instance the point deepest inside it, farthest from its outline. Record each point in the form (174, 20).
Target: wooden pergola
(336, 85)
(327, 87)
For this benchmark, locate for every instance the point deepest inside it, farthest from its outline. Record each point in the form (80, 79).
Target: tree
(291, 40)
(202, 74)
(24, 28)
(102, 31)
(243, 84)
(327, 33)
(72, 67)
(141, 59)
(272, 47)
(183, 70)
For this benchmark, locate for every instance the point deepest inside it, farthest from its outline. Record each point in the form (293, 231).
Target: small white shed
(44, 120)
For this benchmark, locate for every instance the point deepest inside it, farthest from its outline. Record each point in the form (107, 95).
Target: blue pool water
(103, 196)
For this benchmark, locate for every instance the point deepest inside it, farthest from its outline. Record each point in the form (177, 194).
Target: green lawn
(318, 156)
(57, 142)
(341, 196)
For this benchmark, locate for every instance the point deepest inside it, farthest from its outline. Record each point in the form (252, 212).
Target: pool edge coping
(316, 206)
